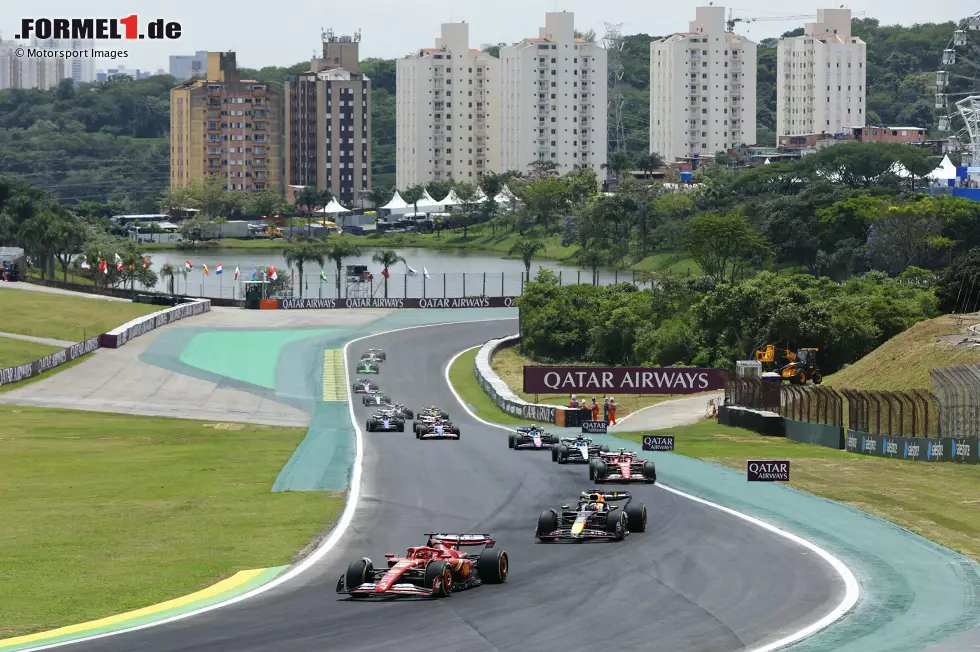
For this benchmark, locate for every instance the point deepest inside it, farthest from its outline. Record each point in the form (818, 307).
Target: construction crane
(732, 19)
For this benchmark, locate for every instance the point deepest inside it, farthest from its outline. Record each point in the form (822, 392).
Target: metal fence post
(484, 284)
(464, 284)
(444, 293)
(405, 293)
(502, 291)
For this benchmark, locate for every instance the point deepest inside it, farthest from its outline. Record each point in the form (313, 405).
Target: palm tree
(380, 196)
(618, 162)
(168, 272)
(386, 258)
(337, 251)
(307, 199)
(299, 255)
(526, 250)
(413, 195)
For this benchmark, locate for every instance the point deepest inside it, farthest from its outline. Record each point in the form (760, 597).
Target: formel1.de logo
(98, 29)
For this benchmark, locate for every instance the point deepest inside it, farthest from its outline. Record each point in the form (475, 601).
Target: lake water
(450, 274)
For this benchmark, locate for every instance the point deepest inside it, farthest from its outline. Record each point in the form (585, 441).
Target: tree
(267, 203)
(68, 236)
(491, 184)
(592, 257)
(307, 201)
(650, 162)
(175, 201)
(301, 254)
(380, 196)
(413, 195)
(468, 211)
(197, 228)
(906, 235)
(526, 249)
(168, 272)
(337, 251)
(208, 197)
(386, 258)
(723, 245)
(619, 162)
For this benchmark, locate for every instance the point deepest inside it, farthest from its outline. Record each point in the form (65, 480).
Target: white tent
(945, 171)
(480, 195)
(451, 199)
(767, 162)
(334, 208)
(427, 203)
(395, 203)
(505, 196)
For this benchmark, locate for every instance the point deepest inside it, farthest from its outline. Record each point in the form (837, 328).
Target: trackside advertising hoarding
(662, 443)
(27, 370)
(622, 380)
(767, 470)
(381, 302)
(922, 449)
(595, 427)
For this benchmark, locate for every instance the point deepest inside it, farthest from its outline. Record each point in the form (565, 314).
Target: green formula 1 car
(368, 367)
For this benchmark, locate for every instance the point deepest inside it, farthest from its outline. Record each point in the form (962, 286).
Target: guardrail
(511, 403)
(111, 340)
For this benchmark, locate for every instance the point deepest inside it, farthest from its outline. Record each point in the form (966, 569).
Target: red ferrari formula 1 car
(621, 466)
(434, 570)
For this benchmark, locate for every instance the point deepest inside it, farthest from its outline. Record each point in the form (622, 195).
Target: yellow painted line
(334, 375)
(236, 580)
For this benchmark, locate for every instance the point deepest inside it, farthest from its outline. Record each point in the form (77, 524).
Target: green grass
(64, 317)
(900, 491)
(904, 361)
(15, 352)
(106, 513)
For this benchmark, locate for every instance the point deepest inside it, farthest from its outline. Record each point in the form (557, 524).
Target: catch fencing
(957, 391)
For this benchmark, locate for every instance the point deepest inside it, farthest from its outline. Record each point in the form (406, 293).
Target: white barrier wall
(502, 395)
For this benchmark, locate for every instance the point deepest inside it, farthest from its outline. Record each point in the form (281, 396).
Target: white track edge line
(852, 590)
(336, 533)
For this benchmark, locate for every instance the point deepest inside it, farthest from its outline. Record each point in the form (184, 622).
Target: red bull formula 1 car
(621, 466)
(595, 517)
(434, 570)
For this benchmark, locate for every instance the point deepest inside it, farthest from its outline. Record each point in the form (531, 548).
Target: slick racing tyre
(369, 426)
(616, 525)
(650, 472)
(636, 517)
(443, 572)
(511, 441)
(547, 523)
(562, 453)
(554, 453)
(493, 566)
(358, 572)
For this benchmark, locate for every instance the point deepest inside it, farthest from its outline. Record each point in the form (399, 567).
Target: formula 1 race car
(431, 411)
(576, 450)
(621, 466)
(365, 386)
(375, 354)
(595, 517)
(376, 398)
(533, 437)
(437, 429)
(434, 570)
(368, 367)
(404, 412)
(385, 421)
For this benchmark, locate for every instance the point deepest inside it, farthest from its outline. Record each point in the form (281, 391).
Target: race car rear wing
(457, 540)
(612, 496)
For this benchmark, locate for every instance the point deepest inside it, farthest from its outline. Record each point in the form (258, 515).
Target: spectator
(573, 402)
(595, 410)
(605, 409)
(612, 411)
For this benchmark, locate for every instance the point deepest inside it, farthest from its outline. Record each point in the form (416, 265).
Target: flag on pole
(384, 272)
(104, 266)
(323, 276)
(84, 264)
(272, 274)
(255, 274)
(146, 263)
(426, 272)
(237, 272)
(132, 267)
(119, 263)
(204, 266)
(187, 266)
(411, 272)
(217, 270)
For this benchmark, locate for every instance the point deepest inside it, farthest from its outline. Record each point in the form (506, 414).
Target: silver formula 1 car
(576, 450)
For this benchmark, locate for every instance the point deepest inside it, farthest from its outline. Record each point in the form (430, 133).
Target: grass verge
(900, 491)
(15, 352)
(904, 361)
(64, 317)
(106, 513)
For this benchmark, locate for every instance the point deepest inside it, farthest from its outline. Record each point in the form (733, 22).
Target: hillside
(107, 141)
(904, 361)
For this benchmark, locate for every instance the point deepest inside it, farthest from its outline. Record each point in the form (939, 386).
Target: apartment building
(702, 89)
(822, 78)
(328, 122)
(226, 127)
(447, 117)
(47, 73)
(553, 100)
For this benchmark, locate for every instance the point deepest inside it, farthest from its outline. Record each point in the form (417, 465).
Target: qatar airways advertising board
(622, 380)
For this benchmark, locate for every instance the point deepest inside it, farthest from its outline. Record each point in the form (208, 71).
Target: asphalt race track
(698, 579)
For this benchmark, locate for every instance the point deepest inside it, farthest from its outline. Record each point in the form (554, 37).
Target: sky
(285, 32)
